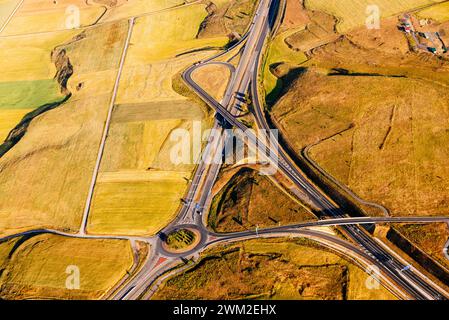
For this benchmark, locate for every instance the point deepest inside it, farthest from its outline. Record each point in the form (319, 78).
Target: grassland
(249, 200)
(35, 268)
(271, 269)
(352, 13)
(279, 53)
(430, 238)
(376, 112)
(400, 164)
(180, 239)
(213, 79)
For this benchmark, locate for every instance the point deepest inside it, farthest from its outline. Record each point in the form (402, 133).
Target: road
(388, 262)
(305, 153)
(162, 264)
(5, 24)
(104, 136)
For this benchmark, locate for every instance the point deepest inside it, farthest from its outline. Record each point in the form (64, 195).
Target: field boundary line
(105, 130)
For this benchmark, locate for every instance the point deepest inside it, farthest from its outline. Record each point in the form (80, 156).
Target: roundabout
(181, 240)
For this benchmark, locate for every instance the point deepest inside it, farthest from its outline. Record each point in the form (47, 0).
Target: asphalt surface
(413, 284)
(161, 263)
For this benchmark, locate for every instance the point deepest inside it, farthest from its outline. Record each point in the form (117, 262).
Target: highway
(408, 280)
(162, 264)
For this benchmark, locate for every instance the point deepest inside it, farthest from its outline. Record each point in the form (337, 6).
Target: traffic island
(181, 240)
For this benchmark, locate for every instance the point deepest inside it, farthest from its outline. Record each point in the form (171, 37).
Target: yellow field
(134, 203)
(213, 78)
(147, 111)
(352, 13)
(6, 8)
(60, 146)
(28, 57)
(438, 12)
(9, 118)
(131, 8)
(258, 268)
(37, 268)
(158, 37)
(44, 16)
(142, 82)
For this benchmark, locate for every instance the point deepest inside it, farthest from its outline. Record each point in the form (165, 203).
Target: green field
(279, 52)
(28, 94)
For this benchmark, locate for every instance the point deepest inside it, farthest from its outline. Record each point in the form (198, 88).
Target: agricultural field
(63, 140)
(40, 16)
(148, 183)
(18, 98)
(257, 269)
(158, 37)
(6, 8)
(122, 9)
(38, 267)
(438, 12)
(248, 200)
(353, 13)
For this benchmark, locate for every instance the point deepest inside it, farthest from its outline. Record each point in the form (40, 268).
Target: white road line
(11, 15)
(105, 131)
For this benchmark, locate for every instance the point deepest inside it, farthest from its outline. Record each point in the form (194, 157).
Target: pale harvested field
(44, 16)
(129, 8)
(60, 146)
(149, 82)
(146, 113)
(257, 269)
(213, 78)
(352, 13)
(158, 37)
(36, 269)
(8, 119)
(28, 57)
(139, 188)
(438, 12)
(135, 203)
(6, 8)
